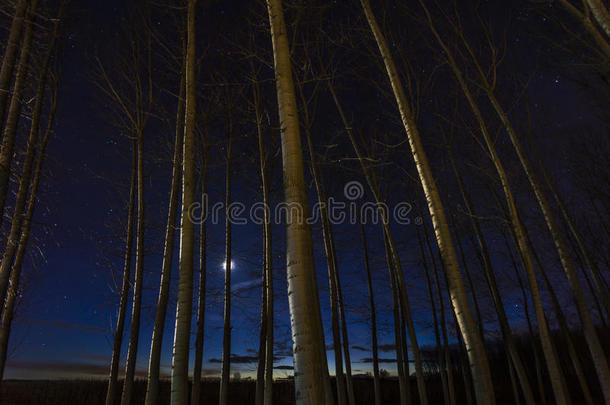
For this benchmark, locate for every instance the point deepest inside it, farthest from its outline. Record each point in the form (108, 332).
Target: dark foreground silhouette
(93, 392)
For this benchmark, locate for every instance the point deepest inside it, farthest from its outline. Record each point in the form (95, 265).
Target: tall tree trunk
(201, 293)
(13, 291)
(120, 325)
(565, 330)
(472, 339)
(401, 284)
(264, 375)
(601, 14)
(351, 399)
(264, 380)
(437, 338)
(154, 362)
(595, 348)
(513, 381)
(463, 365)
(557, 378)
(180, 359)
(134, 331)
(312, 385)
(225, 372)
(331, 260)
(375, 347)
(507, 336)
(533, 337)
(405, 357)
(12, 121)
(473, 292)
(19, 208)
(399, 331)
(10, 56)
(598, 280)
(259, 395)
(446, 355)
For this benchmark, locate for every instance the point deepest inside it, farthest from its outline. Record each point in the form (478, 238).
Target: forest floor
(93, 392)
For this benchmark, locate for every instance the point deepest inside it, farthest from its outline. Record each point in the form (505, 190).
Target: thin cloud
(381, 360)
(63, 325)
(237, 359)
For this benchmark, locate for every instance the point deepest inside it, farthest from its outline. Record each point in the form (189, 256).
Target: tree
(179, 391)
(120, 323)
(226, 338)
(312, 385)
(201, 290)
(375, 348)
(28, 213)
(10, 56)
(472, 338)
(264, 376)
(597, 351)
(154, 362)
(10, 126)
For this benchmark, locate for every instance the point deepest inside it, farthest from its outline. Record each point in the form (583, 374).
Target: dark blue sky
(63, 328)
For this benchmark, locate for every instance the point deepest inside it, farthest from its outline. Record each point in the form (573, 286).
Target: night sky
(63, 327)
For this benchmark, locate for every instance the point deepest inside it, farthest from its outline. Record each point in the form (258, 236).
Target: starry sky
(63, 328)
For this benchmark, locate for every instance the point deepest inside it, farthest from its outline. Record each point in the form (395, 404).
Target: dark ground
(92, 392)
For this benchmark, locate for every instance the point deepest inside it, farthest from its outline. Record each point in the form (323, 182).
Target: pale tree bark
(10, 55)
(466, 267)
(601, 14)
(553, 365)
(331, 260)
(180, 359)
(201, 289)
(472, 338)
(264, 378)
(12, 120)
(134, 330)
(464, 367)
(312, 384)
(154, 361)
(13, 291)
(225, 372)
(507, 336)
(396, 267)
(375, 347)
(120, 325)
